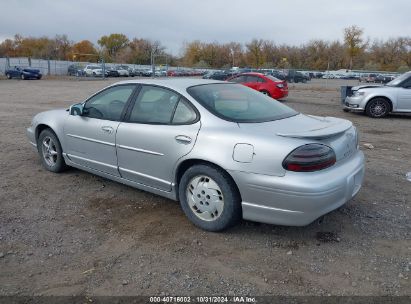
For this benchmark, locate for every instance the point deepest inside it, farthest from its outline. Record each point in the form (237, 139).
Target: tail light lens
(308, 158)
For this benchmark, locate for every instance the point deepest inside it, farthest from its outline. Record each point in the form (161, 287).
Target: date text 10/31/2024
(203, 299)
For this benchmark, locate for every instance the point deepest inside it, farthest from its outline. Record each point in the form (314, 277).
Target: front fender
(391, 96)
(53, 119)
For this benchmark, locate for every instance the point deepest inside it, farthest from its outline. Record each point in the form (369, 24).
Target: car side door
(404, 96)
(160, 128)
(91, 138)
(16, 72)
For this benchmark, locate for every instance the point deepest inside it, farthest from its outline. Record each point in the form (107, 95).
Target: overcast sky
(174, 22)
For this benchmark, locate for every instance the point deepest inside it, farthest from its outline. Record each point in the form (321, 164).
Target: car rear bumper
(297, 199)
(279, 94)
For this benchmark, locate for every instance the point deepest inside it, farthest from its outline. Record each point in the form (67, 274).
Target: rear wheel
(50, 151)
(22, 77)
(8, 76)
(209, 198)
(377, 108)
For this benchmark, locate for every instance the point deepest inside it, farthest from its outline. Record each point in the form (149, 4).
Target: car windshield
(95, 67)
(238, 103)
(398, 80)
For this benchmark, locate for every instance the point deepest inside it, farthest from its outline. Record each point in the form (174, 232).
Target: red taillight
(282, 85)
(308, 158)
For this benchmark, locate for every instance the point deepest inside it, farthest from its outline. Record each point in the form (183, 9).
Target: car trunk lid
(334, 132)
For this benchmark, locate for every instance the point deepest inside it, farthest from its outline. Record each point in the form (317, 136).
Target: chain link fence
(77, 68)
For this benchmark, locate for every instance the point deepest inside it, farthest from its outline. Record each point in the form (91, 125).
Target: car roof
(252, 74)
(179, 84)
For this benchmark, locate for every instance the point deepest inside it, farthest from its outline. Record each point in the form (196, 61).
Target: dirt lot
(75, 233)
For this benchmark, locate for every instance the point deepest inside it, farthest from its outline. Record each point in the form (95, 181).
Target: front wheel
(209, 198)
(377, 108)
(22, 77)
(8, 76)
(50, 151)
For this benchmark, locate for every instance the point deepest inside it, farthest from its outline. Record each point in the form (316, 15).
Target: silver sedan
(223, 150)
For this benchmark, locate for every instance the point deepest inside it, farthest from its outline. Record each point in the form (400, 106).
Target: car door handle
(182, 139)
(108, 130)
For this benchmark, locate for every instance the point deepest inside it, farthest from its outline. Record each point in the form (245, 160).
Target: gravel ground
(75, 233)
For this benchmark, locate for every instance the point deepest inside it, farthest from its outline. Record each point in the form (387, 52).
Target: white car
(122, 72)
(93, 70)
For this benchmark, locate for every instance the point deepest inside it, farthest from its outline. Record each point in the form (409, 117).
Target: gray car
(223, 150)
(377, 101)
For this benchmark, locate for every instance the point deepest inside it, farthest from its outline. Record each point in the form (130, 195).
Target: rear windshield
(273, 78)
(238, 103)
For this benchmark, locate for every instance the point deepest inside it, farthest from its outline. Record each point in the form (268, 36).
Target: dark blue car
(23, 73)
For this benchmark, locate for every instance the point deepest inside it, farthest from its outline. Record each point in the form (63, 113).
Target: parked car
(223, 150)
(147, 73)
(381, 78)
(122, 71)
(219, 75)
(276, 74)
(266, 84)
(377, 101)
(112, 72)
(296, 76)
(128, 69)
(75, 70)
(94, 70)
(368, 78)
(328, 76)
(23, 73)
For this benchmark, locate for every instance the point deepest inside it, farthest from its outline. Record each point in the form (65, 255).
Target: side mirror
(77, 109)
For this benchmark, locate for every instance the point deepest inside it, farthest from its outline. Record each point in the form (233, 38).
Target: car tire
(22, 77)
(197, 187)
(377, 108)
(38, 77)
(265, 93)
(50, 151)
(8, 76)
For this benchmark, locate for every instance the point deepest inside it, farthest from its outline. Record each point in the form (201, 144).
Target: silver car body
(151, 157)
(399, 97)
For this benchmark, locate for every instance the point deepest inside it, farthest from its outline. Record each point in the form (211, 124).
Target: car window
(184, 113)
(407, 84)
(396, 81)
(239, 79)
(260, 79)
(239, 103)
(108, 104)
(154, 105)
(273, 78)
(252, 79)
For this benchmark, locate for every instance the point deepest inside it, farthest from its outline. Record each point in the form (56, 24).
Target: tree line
(354, 51)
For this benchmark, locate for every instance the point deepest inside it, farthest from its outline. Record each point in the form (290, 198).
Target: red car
(266, 84)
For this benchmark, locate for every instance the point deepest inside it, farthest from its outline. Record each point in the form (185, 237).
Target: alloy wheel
(378, 108)
(49, 151)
